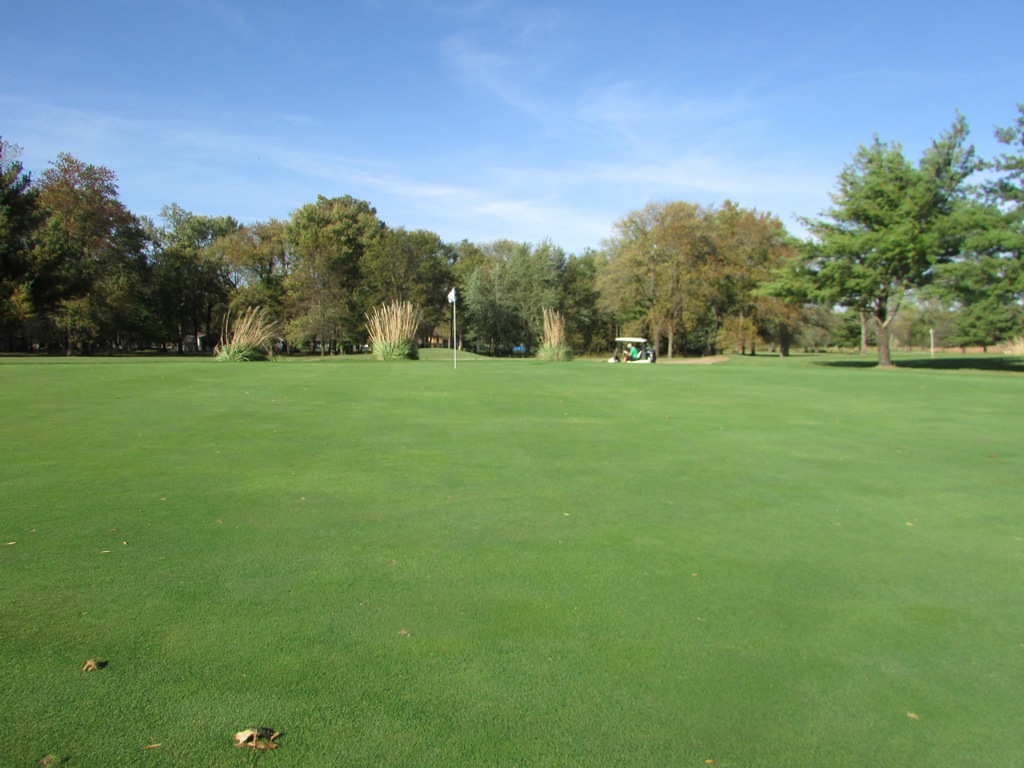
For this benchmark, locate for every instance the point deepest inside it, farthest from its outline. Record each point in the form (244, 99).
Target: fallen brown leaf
(257, 738)
(90, 666)
(151, 746)
(243, 736)
(912, 716)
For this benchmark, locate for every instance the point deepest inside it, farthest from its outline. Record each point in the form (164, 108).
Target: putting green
(758, 563)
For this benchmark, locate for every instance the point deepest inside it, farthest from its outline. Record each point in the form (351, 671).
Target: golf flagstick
(455, 335)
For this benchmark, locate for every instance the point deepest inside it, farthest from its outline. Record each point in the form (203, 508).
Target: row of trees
(80, 271)
(900, 235)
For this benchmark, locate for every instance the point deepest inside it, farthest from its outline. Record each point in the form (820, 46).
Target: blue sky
(483, 119)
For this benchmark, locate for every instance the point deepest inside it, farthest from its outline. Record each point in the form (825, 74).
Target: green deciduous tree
(587, 327)
(409, 266)
(506, 293)
(256, 257)
(191, 284)
(328, 240)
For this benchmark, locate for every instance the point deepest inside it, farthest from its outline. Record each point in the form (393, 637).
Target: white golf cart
(633, 349)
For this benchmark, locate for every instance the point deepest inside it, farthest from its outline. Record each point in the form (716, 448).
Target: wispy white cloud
(500, 74)
(230, 16)
(255, 174)
(514, 58)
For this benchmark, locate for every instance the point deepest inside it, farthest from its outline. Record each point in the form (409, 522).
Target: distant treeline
(908, 252)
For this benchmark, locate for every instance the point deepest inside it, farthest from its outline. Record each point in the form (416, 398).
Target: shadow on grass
(989, 362)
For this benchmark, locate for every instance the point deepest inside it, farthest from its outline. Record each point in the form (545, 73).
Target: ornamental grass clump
(1014, 346)
(392, 329)
(555, 347)
(250, 338)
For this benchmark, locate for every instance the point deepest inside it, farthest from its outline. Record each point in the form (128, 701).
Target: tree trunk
(784, 343)
(863, 332)
(882, 332)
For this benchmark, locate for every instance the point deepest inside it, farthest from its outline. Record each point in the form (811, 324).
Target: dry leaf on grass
(257, 738)
(92, 665)
(912, 716)
(51, 761)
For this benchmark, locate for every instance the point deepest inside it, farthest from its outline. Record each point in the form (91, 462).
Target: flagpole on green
(455, 335)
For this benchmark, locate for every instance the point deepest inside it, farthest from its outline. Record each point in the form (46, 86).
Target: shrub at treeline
(907, 249)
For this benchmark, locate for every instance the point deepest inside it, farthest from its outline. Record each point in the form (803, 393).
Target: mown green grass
(759, 563)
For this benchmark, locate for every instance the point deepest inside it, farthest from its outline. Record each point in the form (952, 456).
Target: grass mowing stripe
(511, 563)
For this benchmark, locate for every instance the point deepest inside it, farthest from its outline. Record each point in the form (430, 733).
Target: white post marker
(455, 336)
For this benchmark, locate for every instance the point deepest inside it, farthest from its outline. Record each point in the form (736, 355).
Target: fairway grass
(758, 563)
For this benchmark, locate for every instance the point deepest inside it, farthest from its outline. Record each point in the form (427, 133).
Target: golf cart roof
(630, 339)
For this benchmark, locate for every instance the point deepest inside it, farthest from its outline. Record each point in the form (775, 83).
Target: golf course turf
(763, 562)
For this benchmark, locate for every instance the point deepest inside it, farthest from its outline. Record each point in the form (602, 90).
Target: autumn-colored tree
(18, 220)
(680, 271)
(89, 257)
(630, 273)
(752, 246)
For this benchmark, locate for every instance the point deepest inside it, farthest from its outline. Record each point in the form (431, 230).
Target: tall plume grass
(250, 338)
(555, 346)
(1014, 346)
(392, 328)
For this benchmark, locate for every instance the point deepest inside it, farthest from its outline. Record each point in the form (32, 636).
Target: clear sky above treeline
(486, 119)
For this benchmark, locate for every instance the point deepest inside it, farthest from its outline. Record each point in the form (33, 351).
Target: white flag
(451, 296)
